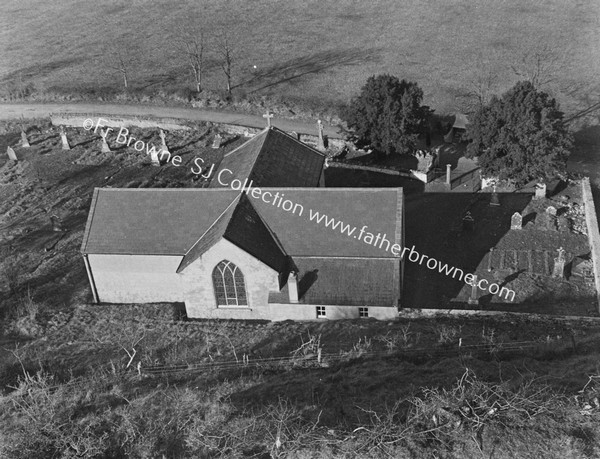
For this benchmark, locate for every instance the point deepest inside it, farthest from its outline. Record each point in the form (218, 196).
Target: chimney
(293, 286)
(448, 173)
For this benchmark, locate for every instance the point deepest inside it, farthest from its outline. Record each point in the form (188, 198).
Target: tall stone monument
(495, 200)
(24, 139)
(321, 141)
(64, 140)
(559, 264)
(105, 147)
(473, 298)
(11, 154)
(164, 147)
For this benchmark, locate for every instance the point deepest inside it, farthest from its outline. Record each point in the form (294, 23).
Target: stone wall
(172, 124)
(591, 220)
(77, 119)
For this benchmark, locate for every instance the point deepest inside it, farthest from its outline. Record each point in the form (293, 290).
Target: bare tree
(481, 88)
(226, 52)
(194, 50)
(539, 65)
(120, 66)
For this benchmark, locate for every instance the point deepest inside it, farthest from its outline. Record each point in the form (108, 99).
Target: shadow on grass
(310, 64)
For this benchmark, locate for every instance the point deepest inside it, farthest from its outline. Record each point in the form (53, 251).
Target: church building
(279, 247)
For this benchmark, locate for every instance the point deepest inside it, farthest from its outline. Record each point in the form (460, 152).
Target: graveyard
(520, 257)
(47, 188)
(44, 203)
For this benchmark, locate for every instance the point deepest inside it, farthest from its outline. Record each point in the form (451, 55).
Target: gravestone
(268, 116)
(105, 147)
(321, 142)
(540, 191)
(489, 264)
(468, 223)
(551, 220)
(495, 200)
(24, 140)
(516, 221)
(473, 298)
(154, 158)
(11, 154)
(559, 264)
(64, 140)
(56, 224)
(164, 142)
(217, 141)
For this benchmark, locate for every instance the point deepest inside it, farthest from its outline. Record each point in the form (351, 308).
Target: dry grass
(314, 52)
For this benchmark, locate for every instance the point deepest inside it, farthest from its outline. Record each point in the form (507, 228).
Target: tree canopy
(387, 115)
(520, 136)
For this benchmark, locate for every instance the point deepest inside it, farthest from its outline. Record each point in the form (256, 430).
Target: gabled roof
(241, 225)
(151, 221)
(162, 221)
(272, 158)
(380, 210)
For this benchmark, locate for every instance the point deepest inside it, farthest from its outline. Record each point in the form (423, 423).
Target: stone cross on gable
(561, 254)
(268, 116)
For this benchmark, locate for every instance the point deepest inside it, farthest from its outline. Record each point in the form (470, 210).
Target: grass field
(316, 54)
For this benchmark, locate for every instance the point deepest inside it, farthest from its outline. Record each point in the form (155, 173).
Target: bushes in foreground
(109, 415)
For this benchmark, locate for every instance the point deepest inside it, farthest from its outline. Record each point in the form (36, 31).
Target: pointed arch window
(230, 288)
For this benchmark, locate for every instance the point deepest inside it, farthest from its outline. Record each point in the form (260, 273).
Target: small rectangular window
(363, 312)
(321, 312)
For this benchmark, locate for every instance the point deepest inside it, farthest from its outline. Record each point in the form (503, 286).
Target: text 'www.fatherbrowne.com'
(378, 240)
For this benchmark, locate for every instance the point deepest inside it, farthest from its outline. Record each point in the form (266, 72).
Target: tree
(520, 136)
(119, 65)
(194, 51)
(387, 115)
(225, 50)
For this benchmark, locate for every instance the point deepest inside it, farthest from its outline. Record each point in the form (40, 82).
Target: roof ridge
(213, 224)
(295, 139)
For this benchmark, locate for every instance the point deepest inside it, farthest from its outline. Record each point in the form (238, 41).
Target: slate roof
(151, 221)
(270, 159)
(339, 281)
(380, 209)
(334, 268)
(241, 225)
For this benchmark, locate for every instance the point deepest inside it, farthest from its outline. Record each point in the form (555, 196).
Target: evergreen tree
(520, 136)
(387, 115)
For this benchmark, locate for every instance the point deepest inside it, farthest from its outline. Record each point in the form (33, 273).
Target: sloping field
(312, 52)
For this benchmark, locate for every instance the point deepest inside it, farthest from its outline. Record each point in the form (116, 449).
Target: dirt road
(28, 110)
